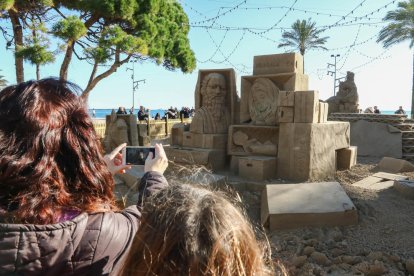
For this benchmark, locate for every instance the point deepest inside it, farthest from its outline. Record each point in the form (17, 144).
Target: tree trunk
(69, 50)
(93, 82)
(37, 71)
(412, 94)
(68, 57)
(18, 42)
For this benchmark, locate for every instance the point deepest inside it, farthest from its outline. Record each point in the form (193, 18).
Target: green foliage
(98, 54)
(303, 36)
(6, 4)
(70, 28)
(36, 54)
(104, 31)
(115, 36)
(400, 27)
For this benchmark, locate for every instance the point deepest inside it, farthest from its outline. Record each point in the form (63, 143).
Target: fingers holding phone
(159, 163)
(114, 161)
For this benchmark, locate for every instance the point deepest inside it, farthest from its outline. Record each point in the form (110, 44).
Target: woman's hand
(159, 163)
(114, 161)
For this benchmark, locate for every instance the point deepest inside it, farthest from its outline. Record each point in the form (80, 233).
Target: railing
(99, 126)
(155, 128)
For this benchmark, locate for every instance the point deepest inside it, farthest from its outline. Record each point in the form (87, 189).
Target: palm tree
(3, 81)
(400, 28)
(303, 36)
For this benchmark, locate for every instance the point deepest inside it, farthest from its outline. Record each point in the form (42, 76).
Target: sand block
(257, 140)
(346, 158)
(323, 112)
(379, 181)
(390, 176)
(177, 132)
(307, 151)
(204, 141)
(283, 81)
(287, 206)
(234, 164)
(287, 98)
(279, 63)
(405, 187)
(285, 114)
(306, 106)
(394, 165)
(132, 177)
(257, 168)
(210, 158)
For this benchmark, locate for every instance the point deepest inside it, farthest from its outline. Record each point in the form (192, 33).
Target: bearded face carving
(212, 117)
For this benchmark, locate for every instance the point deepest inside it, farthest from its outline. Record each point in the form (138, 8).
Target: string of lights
(280, 20)
(351, 12)
(220, 14)
(345, 57)
(224, 56)
(215, 52)
(380, 56)
(366, 16)
(233, 51)
(301, 10)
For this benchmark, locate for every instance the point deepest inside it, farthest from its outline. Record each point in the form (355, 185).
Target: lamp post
(333, 73)
(134, 82)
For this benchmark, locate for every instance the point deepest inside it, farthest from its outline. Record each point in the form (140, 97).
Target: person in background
(171, 114)
(376, 110)
(191, 230)
(142, 115)
(93, 112)
(57, 207)
(400, 110)
(131, 110)
(157, 116)
(121, 111)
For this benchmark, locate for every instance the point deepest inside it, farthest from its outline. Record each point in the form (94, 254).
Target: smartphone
(136, 156)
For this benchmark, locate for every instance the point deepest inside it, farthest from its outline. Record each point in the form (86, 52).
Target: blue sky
(244, 29)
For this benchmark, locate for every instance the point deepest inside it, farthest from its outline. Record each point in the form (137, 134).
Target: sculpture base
(210, 158)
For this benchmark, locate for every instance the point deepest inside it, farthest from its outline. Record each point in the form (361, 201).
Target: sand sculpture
(347, 99)
(278, 129)
(120, 129)
(204, 141)
(263, 100)
(213, 117)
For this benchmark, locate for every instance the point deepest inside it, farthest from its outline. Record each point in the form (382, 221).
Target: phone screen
(137, 155)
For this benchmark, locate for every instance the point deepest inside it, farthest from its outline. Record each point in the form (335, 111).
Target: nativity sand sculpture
(347, 99)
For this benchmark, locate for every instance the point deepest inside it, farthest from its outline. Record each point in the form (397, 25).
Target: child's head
(190, 230)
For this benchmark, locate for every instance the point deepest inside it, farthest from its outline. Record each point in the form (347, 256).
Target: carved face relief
(262, 102)
(213, 91)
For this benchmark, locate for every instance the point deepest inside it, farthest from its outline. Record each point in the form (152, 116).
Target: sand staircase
(405, 125)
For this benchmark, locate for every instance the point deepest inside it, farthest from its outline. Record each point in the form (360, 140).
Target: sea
(101, 113)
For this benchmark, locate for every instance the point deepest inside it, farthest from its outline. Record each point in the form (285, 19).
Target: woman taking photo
(57, 209)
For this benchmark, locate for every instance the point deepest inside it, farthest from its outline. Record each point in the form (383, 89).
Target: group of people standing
(171, 113)
(376, 110)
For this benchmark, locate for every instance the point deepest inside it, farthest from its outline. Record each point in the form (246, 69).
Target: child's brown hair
(191, 230)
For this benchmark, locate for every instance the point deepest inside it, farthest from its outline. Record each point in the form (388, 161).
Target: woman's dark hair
(190, 230)
(50, 155)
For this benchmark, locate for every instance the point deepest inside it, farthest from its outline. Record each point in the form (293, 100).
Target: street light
(333, 73)
(134, 82)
